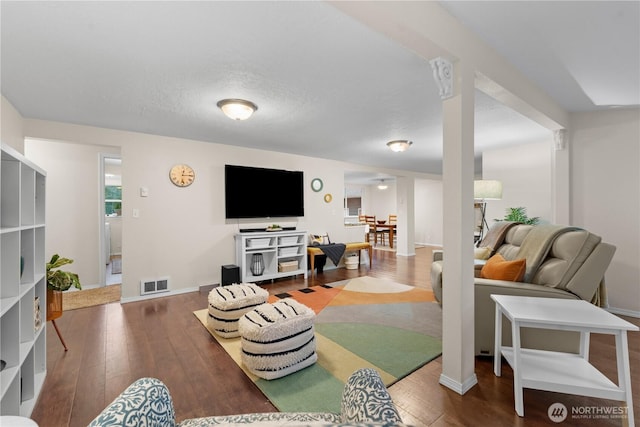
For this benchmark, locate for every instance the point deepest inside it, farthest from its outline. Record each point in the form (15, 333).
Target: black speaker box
(230, 274)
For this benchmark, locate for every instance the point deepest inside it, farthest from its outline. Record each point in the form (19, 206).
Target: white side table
(556, 371)
(15, 421)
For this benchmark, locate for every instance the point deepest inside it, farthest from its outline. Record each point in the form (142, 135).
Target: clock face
(182, 175)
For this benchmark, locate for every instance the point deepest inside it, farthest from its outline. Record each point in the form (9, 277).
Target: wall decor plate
(316, 184)
(328, 198)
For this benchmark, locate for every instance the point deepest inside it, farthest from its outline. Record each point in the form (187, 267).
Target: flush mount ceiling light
(237, 109)
(382, 185)
(399, 145)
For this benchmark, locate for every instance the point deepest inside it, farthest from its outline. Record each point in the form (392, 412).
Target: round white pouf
(227, 304)
(278, 339)
(14, 421)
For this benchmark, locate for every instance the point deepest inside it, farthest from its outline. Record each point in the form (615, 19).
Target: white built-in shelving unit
(277, 248)
(22, 233)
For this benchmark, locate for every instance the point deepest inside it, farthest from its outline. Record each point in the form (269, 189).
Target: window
(113, 200)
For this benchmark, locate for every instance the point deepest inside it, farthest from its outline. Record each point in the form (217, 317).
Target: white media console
(284, 253)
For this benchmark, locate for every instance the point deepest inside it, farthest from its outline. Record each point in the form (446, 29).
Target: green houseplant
(519, 214)
(59, 280)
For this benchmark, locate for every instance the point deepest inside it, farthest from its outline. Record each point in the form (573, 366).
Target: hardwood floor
(112, 345)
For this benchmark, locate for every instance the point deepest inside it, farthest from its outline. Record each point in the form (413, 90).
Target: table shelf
(563, 373)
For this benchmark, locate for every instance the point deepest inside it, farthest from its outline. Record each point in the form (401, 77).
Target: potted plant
(58, 281)
(519, 214)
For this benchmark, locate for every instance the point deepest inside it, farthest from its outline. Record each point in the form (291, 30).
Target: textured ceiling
(325, 85)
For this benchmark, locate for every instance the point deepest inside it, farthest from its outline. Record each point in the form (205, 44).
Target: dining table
(391, 228)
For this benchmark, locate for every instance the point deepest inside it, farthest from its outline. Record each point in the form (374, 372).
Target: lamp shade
(487, 189)
(237, 109)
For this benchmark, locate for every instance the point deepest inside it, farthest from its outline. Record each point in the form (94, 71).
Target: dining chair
(372, 230)
(393, 220)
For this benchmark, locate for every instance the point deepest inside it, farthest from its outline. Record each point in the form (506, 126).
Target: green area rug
(361, 322)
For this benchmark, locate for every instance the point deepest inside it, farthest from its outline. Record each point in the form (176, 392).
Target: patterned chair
(147, 402)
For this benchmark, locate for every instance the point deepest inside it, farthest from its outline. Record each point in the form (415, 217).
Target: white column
(405, 202)
(458, 356)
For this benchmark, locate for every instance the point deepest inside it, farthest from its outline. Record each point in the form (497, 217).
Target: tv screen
(252, 192)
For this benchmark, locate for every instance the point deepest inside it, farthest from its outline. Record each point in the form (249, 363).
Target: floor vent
(154, 286)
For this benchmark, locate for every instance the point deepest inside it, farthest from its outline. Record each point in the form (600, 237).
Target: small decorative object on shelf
(2, 365)
(257, 264)
(274, 227)
(37, 317)
(21, 265)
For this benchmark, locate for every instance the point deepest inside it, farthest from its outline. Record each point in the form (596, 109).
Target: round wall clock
(182, 175)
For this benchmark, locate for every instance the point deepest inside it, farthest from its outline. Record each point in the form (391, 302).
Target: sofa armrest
(365, 399)
(145, 402)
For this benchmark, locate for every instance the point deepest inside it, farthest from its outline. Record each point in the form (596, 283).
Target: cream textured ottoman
(278, 339)
(227, 304)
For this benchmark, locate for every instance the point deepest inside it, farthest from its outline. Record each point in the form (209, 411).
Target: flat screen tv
(252, 192)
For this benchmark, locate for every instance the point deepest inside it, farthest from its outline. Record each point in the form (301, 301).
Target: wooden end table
(556, 371)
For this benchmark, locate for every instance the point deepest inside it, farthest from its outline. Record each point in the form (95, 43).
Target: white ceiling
(325, 85)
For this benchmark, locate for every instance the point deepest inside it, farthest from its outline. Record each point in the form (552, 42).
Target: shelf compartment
(289, 251)
(10, 345)
(9, 264)
(259, 243)
(10, 190)
(288, 240)
(27, 198)
(27, 251)
(562, 373)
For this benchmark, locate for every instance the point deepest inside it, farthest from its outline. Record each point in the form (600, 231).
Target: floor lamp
(484, 190)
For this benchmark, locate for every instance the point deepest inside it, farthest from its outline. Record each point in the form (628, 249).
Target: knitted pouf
(278, 339)
(227, 304)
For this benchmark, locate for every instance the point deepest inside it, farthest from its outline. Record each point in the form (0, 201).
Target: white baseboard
(624, 312)
(124, 300)
(458, 387)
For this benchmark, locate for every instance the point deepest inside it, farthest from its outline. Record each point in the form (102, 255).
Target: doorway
(111, 220)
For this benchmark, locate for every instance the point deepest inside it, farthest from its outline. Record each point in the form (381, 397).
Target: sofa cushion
(568, 252)
(482, 253)
(513, 240)
(497, 268)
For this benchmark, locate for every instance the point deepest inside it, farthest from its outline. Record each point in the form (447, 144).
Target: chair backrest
(371, 222)
(362, 218)
(393, 219)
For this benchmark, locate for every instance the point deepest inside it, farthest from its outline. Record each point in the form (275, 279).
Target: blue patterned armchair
(147, 402)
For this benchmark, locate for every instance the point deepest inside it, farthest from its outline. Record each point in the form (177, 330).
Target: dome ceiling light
(382, 185)
(399, 145)
(237, 109)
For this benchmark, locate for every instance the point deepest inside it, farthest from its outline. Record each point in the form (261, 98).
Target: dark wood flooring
(112, 345)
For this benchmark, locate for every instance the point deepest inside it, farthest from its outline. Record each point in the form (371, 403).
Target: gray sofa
(147, 402)
(561, 262)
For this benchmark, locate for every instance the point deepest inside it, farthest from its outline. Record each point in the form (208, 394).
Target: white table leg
(624, 372)
(585, 337)
(497, 345)
(517, 372)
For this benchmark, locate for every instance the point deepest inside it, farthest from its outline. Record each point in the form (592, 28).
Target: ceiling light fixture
(399, 145)
(382, 185)
(237, 109)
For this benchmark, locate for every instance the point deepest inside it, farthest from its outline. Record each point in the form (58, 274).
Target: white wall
(525, 173)
(182, 232)
(11, 123)
(428, 212)
(72, 202)
(605, 176)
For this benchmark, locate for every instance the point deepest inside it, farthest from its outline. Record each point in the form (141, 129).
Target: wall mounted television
(252, 192)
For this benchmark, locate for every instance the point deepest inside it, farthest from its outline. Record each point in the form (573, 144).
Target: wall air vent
(154, 286)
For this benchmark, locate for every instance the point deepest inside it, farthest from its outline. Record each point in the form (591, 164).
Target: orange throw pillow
(497, 268)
